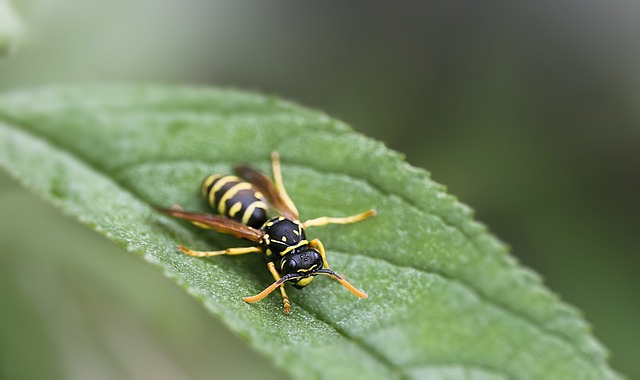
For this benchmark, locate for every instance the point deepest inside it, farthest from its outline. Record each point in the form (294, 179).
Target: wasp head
(301, 266)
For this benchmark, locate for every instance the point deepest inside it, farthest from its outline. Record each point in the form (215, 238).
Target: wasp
(242, 204)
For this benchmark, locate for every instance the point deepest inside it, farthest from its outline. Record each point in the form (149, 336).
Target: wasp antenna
(344, 282)
(267, 290)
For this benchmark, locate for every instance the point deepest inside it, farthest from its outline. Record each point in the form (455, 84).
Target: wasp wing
(218, 223)
(269, 189)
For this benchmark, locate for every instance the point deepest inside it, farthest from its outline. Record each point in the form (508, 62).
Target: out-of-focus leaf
(11, 28)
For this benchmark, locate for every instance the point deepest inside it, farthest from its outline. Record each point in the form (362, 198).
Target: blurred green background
(527, 111)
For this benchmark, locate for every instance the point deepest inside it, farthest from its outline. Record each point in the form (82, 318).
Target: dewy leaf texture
(446, 300)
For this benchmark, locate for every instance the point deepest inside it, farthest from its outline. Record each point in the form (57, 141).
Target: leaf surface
(446, 300)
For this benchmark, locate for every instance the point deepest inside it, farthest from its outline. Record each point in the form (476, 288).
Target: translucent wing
(218, 223)
(280, 202)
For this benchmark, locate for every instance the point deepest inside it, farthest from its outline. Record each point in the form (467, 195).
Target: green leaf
(445, 298)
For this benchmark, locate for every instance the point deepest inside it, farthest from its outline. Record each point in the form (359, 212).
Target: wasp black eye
(289, 266)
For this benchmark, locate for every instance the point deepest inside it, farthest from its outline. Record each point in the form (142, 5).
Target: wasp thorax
(282, 235)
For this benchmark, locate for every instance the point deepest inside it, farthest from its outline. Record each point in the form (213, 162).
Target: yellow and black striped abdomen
(236, 199)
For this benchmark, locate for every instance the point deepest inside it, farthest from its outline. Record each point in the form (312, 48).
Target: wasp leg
(324, 220)
(277, 176)
(228, 251)
(317, 243)
(279, 283)
(287, 304)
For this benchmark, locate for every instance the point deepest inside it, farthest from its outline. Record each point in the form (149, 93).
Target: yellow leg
(277, 176)
(279, 283)
(317, 243)
(324, 220)
(287, 305)
(228, 251)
